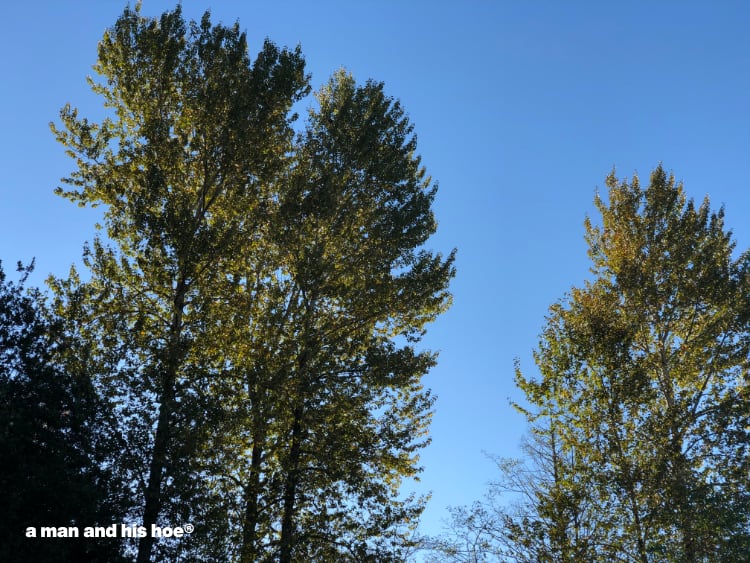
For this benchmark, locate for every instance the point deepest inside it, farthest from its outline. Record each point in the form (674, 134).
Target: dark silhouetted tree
(55, 438)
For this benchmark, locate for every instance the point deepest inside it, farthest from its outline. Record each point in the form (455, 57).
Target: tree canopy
(254, 307)
(640, 416)
(243, 352)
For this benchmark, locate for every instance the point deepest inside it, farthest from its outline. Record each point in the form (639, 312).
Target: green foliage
(641, 414)
(639, 368)
(54, 439)
(254, 309)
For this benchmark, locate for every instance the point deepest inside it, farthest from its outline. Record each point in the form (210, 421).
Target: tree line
(241, 353)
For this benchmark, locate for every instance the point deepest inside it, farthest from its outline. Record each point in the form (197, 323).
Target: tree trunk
(153, 502)
(290, 490)
(249, 552)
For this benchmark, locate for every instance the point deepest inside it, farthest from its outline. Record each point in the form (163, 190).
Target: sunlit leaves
(639, 448)
(251, 291)
(634, 366)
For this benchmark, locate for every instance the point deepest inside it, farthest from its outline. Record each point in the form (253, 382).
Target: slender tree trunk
(156, 469)
(153, 501)
(290, 490)
(249, 552)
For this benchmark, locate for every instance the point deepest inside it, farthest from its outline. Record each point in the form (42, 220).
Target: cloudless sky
(521, 110)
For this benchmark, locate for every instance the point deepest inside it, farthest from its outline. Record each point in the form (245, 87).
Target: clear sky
(521, 110)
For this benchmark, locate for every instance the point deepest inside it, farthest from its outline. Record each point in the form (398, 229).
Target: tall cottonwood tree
(641, 411)
(316, 394)
(353, 217)
(644, 373)
(196, 135)
(253, 293)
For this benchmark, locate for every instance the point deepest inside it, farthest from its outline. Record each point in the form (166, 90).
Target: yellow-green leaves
(637, 368)
(252, 283)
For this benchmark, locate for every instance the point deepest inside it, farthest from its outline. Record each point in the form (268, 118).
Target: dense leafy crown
(258, 294)
(640, 418)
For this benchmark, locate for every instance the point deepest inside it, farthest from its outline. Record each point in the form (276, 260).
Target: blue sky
(521, 110)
